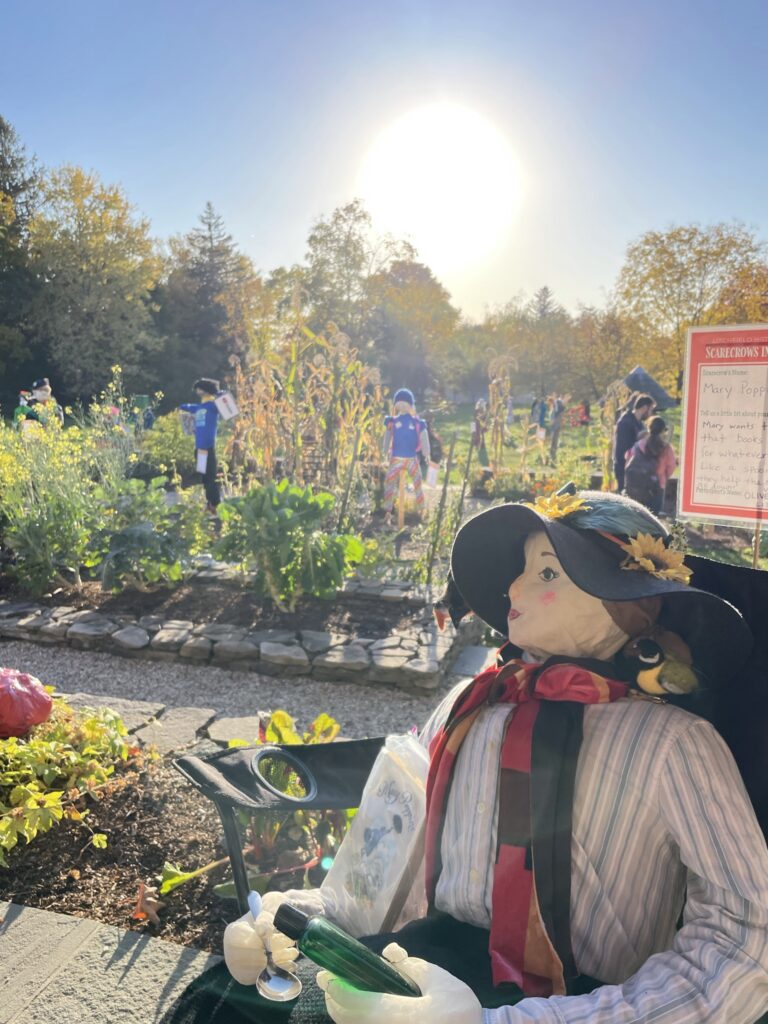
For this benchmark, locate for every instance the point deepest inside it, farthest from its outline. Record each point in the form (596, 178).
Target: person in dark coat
(628, 430)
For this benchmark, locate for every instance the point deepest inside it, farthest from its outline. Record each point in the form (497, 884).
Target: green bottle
(330, 947)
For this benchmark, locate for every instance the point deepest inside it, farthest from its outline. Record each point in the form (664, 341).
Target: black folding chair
(333, 777)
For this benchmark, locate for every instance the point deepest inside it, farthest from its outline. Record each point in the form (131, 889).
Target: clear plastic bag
(376, 883)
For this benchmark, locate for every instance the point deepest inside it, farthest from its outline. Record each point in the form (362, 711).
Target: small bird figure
(450, 605)
(660, 663)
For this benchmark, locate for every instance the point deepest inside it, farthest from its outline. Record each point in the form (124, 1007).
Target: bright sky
(542, 136)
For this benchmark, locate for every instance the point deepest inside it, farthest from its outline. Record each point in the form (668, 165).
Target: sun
(447, 179)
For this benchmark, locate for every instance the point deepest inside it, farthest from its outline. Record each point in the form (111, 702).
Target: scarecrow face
(550, 615)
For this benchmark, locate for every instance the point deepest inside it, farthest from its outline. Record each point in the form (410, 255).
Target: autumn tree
(674, 279)
(744, 299)
(604, 348)
(411, 321)
(19, 185)
(96, 263)
(342, 255)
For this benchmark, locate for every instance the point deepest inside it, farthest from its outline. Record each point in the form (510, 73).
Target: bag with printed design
(376, 883)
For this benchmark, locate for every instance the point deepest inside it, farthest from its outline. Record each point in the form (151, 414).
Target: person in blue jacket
(206, 424)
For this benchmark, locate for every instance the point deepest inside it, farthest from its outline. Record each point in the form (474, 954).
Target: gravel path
(371, 710)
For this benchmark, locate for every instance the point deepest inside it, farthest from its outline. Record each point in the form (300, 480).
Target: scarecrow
(591, 853)
(206, 416)
(46, 408)
(405, 439)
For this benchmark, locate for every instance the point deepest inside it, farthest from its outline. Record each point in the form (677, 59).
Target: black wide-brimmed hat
(614, 549)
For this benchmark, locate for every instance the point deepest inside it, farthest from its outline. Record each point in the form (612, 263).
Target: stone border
(415, 658)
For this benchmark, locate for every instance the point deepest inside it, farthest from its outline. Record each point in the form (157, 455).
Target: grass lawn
(579, 454)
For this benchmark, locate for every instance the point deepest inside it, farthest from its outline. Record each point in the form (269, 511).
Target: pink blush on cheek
(548, 598)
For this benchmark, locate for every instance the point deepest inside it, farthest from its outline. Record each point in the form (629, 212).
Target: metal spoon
(274, 982)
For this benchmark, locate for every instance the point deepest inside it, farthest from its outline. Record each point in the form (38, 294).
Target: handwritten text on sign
(724, 471)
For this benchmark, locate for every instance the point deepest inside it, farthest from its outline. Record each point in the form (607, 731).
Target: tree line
(84, 285)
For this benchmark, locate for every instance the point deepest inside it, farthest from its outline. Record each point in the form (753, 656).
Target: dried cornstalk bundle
(303, 408)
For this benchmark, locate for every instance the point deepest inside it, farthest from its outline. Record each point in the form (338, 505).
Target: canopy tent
(640, 380)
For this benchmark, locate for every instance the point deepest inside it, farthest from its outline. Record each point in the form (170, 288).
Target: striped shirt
(659, 808)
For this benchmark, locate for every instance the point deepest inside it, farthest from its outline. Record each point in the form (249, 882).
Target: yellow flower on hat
(557, 506)
(649, 554)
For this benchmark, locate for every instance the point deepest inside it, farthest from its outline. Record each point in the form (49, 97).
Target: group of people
(643, 458)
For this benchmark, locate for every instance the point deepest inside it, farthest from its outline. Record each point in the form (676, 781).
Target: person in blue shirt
(206, 423)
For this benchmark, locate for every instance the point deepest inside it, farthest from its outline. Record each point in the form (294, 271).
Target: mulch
(228, 603)
(160, 818)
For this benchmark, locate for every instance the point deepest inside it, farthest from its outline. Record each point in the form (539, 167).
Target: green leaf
(227, 891)
(99, 840)
(173, 876)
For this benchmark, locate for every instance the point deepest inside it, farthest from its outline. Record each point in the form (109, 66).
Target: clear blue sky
(624, 116)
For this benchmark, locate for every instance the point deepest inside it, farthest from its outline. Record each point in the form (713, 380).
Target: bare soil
(229, 603)
(161, 818)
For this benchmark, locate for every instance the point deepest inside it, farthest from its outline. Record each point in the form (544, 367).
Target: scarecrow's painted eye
(547, 575)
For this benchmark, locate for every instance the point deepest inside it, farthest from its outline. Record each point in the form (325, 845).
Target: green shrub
(46, 775)
(139, 539)
(47, 484)
(281, 532)
(166, 446)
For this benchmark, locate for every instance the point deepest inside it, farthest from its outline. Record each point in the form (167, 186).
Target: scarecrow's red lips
(513, 614)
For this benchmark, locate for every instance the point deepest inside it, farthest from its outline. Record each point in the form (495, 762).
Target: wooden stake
(440, 513)
(350, 478)
(401, 500)
(756, 544)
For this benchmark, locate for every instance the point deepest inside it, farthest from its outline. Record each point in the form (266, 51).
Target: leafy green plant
(166, 446)
(46, 776)
(47, 481)
(281, 532)
(138, 540)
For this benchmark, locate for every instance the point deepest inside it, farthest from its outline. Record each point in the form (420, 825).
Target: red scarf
(521, 950)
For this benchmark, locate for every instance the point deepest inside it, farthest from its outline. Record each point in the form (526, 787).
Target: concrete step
(56, 968)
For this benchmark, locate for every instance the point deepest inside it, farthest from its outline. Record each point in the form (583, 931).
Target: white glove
(244, 942)
(444, 999)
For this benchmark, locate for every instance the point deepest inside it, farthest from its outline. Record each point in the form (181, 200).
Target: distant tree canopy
(83, 285)
(19, 187)
(95, 264)
(684, 276)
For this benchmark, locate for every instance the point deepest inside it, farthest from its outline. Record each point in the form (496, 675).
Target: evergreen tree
(19, 186)
(208, 308)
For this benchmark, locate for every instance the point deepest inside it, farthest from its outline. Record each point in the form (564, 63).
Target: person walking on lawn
(206, 424)
(651, 461)
(628, 429)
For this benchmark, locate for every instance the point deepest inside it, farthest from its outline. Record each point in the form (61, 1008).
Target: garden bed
(161, 818)
(380, 632)
(225, 603)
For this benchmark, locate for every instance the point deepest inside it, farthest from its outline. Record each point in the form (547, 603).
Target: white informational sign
(226, 405)
(202, 460)
(724, 458)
